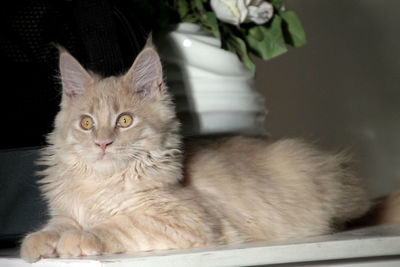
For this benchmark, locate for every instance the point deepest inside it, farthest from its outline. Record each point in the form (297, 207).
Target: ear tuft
(149, 41)
(145, 75)
(74, 77)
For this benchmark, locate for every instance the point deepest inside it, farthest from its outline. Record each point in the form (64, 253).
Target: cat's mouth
(106, 156)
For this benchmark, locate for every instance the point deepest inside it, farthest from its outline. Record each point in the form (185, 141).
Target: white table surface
(372, 246)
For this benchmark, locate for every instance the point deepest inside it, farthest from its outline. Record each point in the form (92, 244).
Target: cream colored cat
(119, 180)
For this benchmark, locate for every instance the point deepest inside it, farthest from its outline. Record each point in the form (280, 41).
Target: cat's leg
(115, 235)
(140, 232)
(43, 243)
(144, 232)
(134, 233)
(88, 242)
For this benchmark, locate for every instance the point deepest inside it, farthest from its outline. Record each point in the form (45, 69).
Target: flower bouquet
(245, 27)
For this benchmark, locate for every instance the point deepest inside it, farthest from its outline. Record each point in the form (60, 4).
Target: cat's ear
(145, 76)
(73, 76)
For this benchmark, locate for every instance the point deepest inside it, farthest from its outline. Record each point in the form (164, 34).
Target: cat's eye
(124, 120)
(87, 123)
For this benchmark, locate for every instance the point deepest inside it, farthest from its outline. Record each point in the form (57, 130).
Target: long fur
(151, 192)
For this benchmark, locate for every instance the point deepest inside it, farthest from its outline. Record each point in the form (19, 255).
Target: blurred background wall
(342, 89)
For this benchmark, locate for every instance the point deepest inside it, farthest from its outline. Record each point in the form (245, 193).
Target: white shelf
(373, 246)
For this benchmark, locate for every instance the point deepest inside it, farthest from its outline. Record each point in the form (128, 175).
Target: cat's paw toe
(79, 243)
(91, 245)
(68, 245)
(39, 245)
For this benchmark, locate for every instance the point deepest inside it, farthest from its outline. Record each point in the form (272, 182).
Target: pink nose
(103, 144)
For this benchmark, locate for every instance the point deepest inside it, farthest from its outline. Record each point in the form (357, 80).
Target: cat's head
(108, 123)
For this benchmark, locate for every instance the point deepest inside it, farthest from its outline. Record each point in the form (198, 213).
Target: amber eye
(87, 123)
(124, 120)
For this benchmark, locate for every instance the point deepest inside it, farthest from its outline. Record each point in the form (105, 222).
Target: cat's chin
(107, 165)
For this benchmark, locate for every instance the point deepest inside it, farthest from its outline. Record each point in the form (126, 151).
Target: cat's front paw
(39, 245)
(79, 243)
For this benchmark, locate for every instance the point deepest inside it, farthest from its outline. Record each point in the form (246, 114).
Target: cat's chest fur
(91, 200)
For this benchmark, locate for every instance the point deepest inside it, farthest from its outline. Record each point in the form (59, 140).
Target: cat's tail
(385, 210)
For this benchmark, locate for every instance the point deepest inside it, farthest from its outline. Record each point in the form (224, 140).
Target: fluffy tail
(385, 210)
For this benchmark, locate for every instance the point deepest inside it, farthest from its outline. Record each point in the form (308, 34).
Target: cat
(119, 178)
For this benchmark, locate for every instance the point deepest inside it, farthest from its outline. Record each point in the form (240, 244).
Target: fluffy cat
(119, 179)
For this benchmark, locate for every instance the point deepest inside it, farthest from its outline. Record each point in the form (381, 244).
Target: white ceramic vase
(213, 90)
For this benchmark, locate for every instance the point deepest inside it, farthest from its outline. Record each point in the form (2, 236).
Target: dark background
(105, 36)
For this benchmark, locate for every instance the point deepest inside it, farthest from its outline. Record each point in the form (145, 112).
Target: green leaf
(276, 3)
(212, 22)
(271, 44)
(199, 5)
(256, 33)
(238, 45)
(293, 30)
(183, 8)
(190, 18)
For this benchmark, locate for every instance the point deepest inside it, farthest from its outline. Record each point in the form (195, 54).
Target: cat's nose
(103, 144)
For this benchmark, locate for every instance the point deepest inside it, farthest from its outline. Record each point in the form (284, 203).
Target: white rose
(240, 11)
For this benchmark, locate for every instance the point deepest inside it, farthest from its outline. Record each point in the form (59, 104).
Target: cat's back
(246, 159)
(241, 163)
(273, 189)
